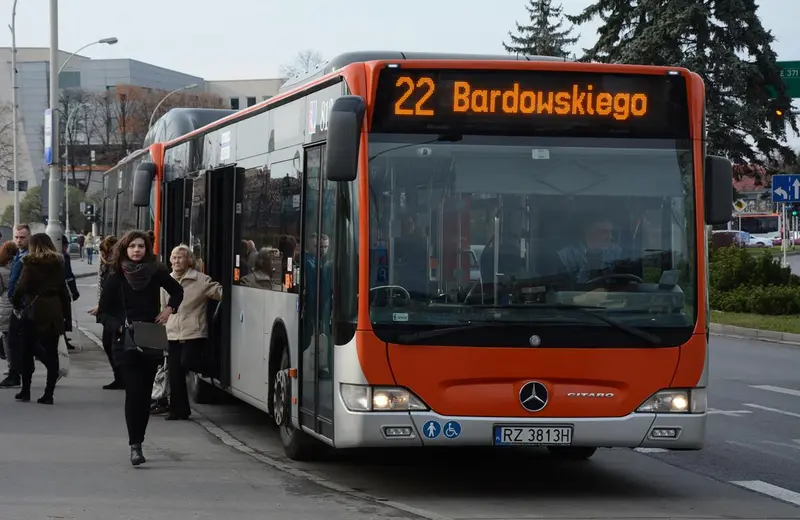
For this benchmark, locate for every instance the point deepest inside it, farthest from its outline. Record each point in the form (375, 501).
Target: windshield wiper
(447, 330)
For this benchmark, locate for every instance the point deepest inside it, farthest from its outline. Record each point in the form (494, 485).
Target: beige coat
(191, 322)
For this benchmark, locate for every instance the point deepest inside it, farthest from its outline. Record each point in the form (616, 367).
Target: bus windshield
(594, 237)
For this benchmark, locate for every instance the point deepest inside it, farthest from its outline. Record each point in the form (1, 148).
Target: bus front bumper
(670, 431)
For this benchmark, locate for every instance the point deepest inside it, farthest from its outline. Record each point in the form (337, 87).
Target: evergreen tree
(544, 36)
(724, 42)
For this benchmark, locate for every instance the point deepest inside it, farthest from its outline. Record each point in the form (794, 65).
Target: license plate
(533, 435)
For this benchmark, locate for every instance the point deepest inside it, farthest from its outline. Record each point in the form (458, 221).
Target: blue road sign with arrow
(786, 188)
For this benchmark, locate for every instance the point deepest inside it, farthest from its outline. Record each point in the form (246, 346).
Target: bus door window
(197, 223)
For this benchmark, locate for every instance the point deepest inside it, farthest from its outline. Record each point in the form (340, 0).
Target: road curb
(85, 275)
(771, 336)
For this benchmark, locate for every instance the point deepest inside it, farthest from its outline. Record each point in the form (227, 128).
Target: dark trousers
(16, 345)
(108, 343)
(179, 362)
(44, 348)
(138, 374)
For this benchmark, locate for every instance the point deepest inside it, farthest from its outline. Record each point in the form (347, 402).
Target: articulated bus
(393, 275)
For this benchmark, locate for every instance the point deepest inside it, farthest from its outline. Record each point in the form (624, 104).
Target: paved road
(754, 432)
(479, 484)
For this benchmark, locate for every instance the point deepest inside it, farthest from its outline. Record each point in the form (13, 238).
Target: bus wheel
(569, 453)
(296, 444)
(199, 391)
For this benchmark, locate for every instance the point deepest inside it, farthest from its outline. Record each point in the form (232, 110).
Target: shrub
(742, 282)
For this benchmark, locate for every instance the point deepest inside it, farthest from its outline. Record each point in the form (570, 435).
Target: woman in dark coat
(131, 293)
(106, 259)
(41, 300)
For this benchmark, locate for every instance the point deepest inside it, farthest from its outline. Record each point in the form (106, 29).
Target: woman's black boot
(24, 396)
(137, 457)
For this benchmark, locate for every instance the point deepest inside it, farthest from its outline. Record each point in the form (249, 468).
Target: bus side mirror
(718, 190)
(344, 137)
(142, 183)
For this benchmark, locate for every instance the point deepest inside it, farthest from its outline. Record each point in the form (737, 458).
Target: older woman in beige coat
(187, 330)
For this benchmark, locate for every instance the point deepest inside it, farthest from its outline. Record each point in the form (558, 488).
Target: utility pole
(14, 108)
(54, 228)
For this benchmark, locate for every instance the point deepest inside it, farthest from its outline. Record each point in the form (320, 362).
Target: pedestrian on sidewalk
(42, 302)
(7, 253)
(15, 336)
(106, 259)
(187, 330)
(132, 293)
(72, 285)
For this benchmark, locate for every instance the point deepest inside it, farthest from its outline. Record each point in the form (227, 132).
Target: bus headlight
(359, 398)
(675, 401)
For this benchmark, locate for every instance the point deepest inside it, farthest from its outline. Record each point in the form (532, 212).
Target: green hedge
(743, 282)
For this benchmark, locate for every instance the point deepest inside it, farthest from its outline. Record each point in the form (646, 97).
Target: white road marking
(768, 409)
(764, 488)
(777, 389)
(91, 335)
(783, 444)
(651, 450)
(730, 413)
(233, 442)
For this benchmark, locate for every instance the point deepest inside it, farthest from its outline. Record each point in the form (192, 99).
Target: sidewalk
(83, 270)
(71, 461)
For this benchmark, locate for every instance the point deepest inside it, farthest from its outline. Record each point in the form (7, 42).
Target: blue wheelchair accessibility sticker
(451, 429)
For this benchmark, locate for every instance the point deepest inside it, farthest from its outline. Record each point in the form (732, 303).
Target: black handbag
(141, 336)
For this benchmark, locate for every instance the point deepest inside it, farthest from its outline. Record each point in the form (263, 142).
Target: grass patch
(775, 250)
(790, 324)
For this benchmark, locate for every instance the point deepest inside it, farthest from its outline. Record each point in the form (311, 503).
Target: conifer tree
(747, 107)
(545, 36)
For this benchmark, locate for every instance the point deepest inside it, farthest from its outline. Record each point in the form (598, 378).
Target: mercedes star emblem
(535, 340)
(533, 396)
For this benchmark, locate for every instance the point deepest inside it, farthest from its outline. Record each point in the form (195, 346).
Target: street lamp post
(155, 110)
(66, 160)
(14, 108)
(107, 41)
(54, 228)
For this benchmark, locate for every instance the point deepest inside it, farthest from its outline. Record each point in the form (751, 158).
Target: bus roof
(342, 60)
(180, 121)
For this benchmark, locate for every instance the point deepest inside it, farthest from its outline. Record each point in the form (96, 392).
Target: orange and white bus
(393, 273)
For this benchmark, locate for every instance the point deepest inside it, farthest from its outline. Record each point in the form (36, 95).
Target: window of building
(235, 103)
(69, 79)
(264, 98)
(251, 100)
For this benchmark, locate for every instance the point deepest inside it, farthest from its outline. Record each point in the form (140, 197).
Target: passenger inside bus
(594, 253)
(411, 258)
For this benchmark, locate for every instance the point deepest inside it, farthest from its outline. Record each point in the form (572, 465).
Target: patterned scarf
(138, 274)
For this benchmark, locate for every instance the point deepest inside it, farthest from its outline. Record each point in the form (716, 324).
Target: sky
(250, 39)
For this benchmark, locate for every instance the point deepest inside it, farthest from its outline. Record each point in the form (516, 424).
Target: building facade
(93, 76)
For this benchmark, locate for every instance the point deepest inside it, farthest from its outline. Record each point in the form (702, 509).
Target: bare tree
(304, 61)
(6, 143)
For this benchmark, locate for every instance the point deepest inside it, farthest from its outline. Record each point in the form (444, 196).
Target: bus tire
(571, 453)
(296, 444)
(200, 391)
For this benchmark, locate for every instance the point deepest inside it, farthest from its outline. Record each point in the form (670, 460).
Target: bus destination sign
(531, 103)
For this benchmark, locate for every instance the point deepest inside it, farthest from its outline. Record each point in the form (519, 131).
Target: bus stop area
(70, 461)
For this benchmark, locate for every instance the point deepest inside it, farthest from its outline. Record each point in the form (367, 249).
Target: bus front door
(316, 271)
(177, 207)
(211, 238)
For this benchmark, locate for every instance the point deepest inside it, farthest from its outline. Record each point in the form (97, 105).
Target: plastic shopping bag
(63, 357)
(161, 384)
